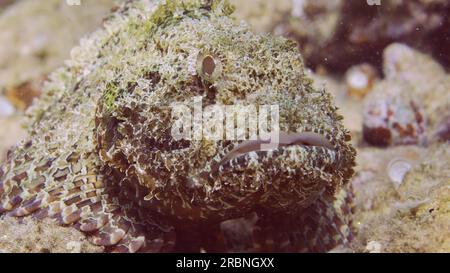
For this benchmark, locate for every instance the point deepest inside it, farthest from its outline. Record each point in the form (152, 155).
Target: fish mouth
(288, 171)
(278, 141)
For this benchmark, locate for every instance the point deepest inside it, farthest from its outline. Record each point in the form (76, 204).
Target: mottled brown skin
(101, 156)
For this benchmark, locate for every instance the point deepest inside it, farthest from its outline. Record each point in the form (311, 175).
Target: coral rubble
(412, 104)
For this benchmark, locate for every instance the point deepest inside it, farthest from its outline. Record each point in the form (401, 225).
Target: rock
(411, 104)
(393, 116)
(426, 79)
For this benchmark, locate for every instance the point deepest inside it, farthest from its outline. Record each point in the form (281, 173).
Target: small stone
(6, 108)
(360, 80)
(374, 247)
(74, 247)
(393, 116)
(341, 249)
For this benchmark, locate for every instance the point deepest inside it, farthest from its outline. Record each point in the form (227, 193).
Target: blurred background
(386, 63)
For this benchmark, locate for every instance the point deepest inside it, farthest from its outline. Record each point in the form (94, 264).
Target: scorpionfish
(101, 156)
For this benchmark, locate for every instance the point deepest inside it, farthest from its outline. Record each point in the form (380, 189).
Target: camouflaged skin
(100, 156)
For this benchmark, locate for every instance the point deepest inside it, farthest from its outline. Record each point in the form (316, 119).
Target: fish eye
(209, 67)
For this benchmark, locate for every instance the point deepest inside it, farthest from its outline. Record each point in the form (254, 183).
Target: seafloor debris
(100, 156)
(36, 39)
(372, 183)
(339, 34)
(413, 216)
(397, 169)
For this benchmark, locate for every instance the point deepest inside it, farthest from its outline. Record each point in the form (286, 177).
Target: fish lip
(306, 139)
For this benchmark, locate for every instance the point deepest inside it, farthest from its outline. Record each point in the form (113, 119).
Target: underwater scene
(225, 126)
